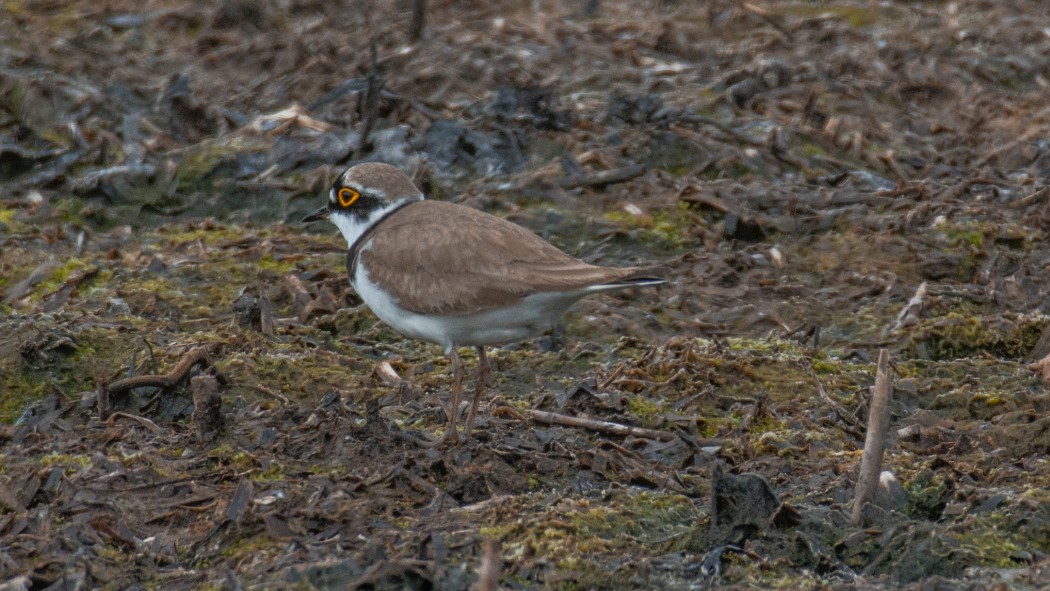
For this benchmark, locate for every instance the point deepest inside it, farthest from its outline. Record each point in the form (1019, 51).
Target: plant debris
(192, 396)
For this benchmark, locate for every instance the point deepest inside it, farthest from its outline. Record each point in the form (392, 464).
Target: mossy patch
(928, 494)
(956, 335)
(857, 16)
(583, 534)
(660, 230)
(20, 390)
(202, 162)
(71, 462)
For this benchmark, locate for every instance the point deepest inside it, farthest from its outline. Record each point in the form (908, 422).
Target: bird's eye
(347, 196)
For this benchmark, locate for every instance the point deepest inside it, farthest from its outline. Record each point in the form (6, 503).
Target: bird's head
(363, 195)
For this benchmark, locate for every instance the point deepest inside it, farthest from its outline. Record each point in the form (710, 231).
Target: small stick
(370, 103)
(553, 418)
(1027, 136)
(265, 317)
(708, 121)
(1038, 195)
(207, 408)
(143, 420)
(294, 286)
(152, 357)
(768, 16)
(780, 152)
(957, 191)
(875, 439)
(419, 20)
(842, 413)
(605, 177)
(191, 358)
(273, 393)
(911, 312)
(488, 571)
(1043, 368)
(891, 163)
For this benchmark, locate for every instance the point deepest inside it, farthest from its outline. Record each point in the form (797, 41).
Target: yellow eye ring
(347, 196)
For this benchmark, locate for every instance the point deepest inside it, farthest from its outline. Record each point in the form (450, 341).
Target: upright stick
(875, 439)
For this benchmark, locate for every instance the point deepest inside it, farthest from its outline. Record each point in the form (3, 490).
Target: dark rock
(634, 109)
(741, 506)
(740, 228)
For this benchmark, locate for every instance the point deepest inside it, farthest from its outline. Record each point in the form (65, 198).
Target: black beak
(320, 214)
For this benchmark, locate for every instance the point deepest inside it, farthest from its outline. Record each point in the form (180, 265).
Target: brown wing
(448, 259)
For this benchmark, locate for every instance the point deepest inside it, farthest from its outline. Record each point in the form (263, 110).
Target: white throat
(353, 228)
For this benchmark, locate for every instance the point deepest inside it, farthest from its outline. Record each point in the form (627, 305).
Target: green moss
(583, 534)
(956, 335)
(14, 7)
(667, 229)
(302, 375)
(648, 410)
(20, 390)
(987, 543)
(111, 553)
(97, 350)
(268, 263)
(810, 151)
(1039, 495)
(827, 367)
(59, 276)
(7, 216)
(256, 546)
(857, 16)
(69, 210)
(201, 162)
(968, 234)
(72, 463)
(928, 494)
(274, 472)
(209, 233)
(782, 349)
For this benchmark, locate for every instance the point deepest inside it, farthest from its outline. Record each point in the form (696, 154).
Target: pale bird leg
(457, 387)
(479, 388)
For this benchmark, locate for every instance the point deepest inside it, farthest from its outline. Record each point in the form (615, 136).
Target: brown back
(452, 260)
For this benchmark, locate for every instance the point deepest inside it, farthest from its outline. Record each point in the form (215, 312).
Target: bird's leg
(479, 388)
(457, 387)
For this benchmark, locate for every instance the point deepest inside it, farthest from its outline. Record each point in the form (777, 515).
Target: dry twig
(488, 572)
(958, 190)
(142, 420)
(191, 358)
(722, 127)
(419, 20)
(875, 440)
(1043, 367)
(601, 426)
(910, 314)
(605, 177)
(177, 374)
(1033, 198)
(370, 101)
(207, 407)
(294, 286)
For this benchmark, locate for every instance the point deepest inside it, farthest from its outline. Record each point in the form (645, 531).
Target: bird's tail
(637, 277)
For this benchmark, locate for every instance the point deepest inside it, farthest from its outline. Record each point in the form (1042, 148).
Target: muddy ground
(825, 180)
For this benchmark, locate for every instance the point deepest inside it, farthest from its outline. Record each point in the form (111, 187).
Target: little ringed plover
(454, 276)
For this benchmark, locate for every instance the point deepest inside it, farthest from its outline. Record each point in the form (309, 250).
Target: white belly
(527, 317)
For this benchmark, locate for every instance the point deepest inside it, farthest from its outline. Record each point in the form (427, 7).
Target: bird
(455, 276)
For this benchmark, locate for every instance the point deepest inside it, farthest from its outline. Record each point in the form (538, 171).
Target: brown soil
(193, 397)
